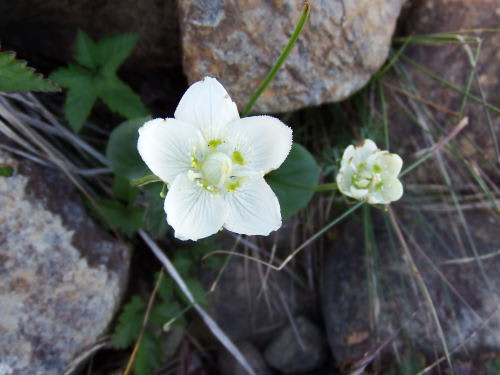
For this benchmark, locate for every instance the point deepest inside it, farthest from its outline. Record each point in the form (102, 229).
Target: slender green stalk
(145, 180)
(281, 59)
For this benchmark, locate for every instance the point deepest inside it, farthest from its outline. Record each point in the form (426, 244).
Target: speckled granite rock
(343, 44)
(61, 277)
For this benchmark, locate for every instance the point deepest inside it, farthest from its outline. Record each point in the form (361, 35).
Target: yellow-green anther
(214, 143)
(238, 158)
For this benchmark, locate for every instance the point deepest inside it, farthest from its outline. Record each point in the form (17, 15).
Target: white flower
(368, 174)
(214, 164)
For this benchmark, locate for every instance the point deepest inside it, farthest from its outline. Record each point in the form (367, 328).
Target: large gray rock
(343, 44)
(372, 295)
(228, 365)
(251, 305)
(61, 277)
(297, 348)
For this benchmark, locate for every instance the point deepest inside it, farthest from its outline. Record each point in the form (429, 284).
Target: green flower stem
(145, 180)
(322, 187)
(281, 59)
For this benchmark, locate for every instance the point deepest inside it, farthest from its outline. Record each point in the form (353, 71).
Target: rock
(249, 307)
(438, 106)
(44, 31)
(343, 44)
(361, 312)
(230, 366)
(61, 277)
(297, 349)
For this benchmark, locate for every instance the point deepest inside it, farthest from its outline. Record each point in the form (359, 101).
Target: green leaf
(149, 355)
(127, 219)
(184, 265)
(299, 170)
(123, 190)
(120, 98)
(493, 367)
(155, 220)
(79, 102)
(85, 50)
(112, 51)
(121, 150)
(70, 76)
(165, 311)
(6, 170)
(15, 75)
(166, 289)
(197, 290)
(129, 323)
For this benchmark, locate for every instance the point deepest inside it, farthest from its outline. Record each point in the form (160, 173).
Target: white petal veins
(253, 208)
(165, 146)
(207, 105)
(193, 211)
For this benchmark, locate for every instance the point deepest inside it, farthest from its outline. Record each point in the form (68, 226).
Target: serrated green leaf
(121, 150)
(120, 98)
(197, 290)
(165, 311)
(166, 289)
(111, 51)
(149, 355)
(70, 76)
(128, 219)
(15, 75)
(299, 169)
(79, 102)
(123, 190)
(129, 323)
(85, 50)
(184, 265)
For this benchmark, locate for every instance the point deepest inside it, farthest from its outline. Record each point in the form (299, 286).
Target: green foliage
(6, 171)
(15, 75)
(493, 367)
(129, 323)
(121, 150)
(123, 190)
(126, 218)
(410, 365)
(95, 78)
(149, 355)
(299, 171)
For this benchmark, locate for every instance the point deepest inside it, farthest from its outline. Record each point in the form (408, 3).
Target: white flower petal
(263, 141)
(343, 180)
(391, 191)
(165, 146)
(347, 157)
(390, 164)
(363, 151)
(253, 208)
(207, 105)
(193, 211)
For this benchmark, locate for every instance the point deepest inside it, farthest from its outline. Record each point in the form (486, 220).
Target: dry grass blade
(144, 324)
(211, 324)
(420, 282)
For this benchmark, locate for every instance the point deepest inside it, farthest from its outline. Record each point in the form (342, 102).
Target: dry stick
(144, 323)
(421, 282)
(211, 324)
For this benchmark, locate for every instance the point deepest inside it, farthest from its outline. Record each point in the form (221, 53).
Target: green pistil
(377, 169)
(214, 143)
(238, 158)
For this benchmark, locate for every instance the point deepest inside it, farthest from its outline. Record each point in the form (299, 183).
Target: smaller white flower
(369, 174)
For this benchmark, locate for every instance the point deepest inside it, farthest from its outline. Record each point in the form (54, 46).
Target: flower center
(364, 177)
(216, 168)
